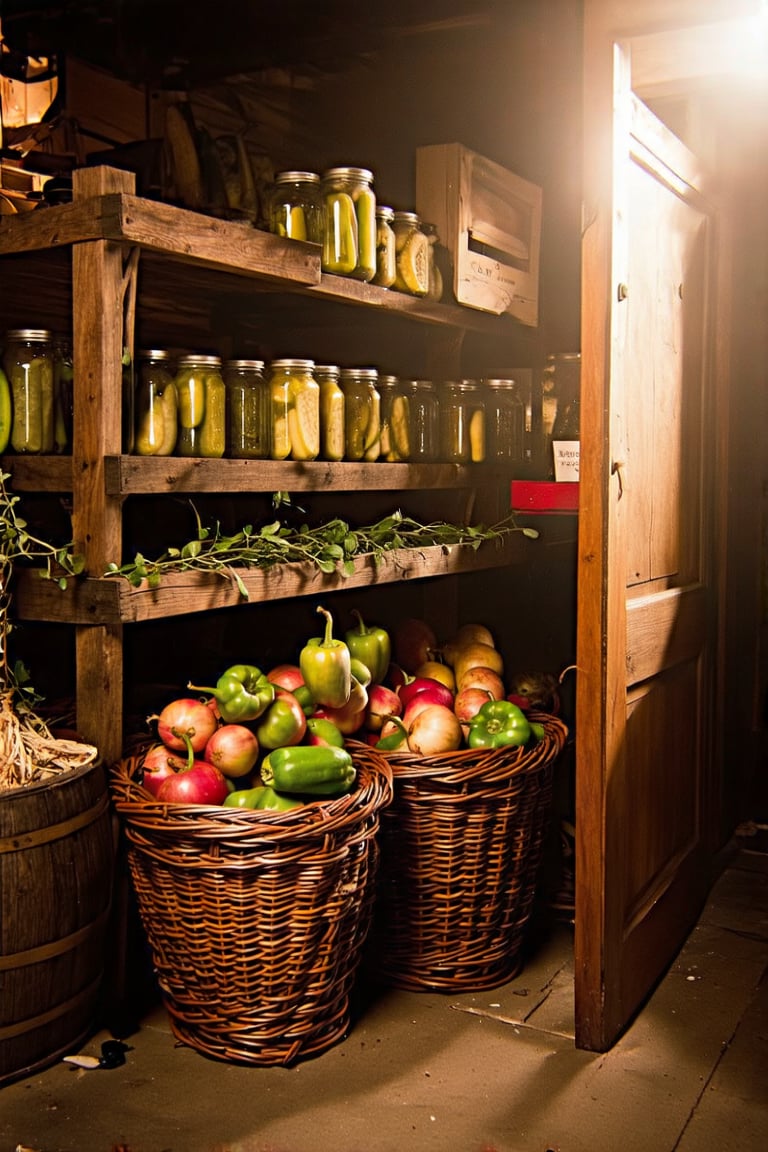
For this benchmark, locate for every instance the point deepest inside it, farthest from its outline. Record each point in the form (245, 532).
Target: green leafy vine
(331, 547)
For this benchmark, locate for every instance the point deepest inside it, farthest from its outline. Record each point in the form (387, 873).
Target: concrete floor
(490, 1072)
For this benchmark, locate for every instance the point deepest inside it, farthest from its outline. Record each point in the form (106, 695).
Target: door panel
(646, 600)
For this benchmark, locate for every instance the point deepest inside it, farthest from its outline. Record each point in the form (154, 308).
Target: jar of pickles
(411, 255)
(395, 421)
(63, 384)
(294, 398)
(331, 411)
(424, 410)
(386, 269)
(505, 421)
(349, 241)
(201, 397)
(362, 414)
(462, 423)
(296, 206)
(28, 363)
(248, 412)
(156, 406)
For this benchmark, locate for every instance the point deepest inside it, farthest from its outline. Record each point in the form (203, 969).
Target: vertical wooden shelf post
(98, 291)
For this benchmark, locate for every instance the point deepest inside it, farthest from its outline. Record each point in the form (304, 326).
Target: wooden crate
(489, 219)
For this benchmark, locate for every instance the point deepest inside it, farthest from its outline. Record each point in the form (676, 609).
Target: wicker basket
(461, 845)
(256, 920)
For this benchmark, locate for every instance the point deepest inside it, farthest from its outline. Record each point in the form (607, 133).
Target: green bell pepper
(244, 797)
(372, 646)
(283, 723)
(326, 667)
(272, 801)
(242, 693)
(309, 770)
(324, 732)
(498, 724)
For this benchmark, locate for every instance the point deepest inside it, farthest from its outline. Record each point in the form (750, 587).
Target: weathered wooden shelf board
(177, 233)
(134, 475)
(112, 599)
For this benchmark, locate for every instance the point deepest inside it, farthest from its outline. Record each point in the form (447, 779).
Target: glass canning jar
(247, 409)
(63, 382)
(462, 423)
(411, 255)
(386, 269)
(295, 406)
(331, 411)
(505, 421)
(156, 409)
(362, 413)
(28, 363)
(349, 240)
(202, 407)
(296, 206)
(424, 410)
(395, 421)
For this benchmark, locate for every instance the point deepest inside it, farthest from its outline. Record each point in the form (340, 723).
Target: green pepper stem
(361, 625)
(328, 641)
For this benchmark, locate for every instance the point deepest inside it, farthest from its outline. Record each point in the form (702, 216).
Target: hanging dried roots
(30, 753)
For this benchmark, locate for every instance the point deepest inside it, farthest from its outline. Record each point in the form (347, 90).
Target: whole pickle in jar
(213, 432)
(191, 398)
(340, 237)
(170, 420)
(150, 430)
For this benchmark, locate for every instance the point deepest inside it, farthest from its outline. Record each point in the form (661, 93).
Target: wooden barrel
(56, 866)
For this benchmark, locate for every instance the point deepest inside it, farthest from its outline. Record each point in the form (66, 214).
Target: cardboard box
(489, 219)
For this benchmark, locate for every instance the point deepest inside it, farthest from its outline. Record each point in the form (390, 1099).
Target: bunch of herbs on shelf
(332, 546)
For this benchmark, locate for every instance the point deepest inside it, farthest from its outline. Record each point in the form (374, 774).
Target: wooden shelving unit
(95, 236)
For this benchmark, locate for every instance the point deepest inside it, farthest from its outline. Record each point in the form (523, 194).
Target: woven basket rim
(483, 763)
(140, 809)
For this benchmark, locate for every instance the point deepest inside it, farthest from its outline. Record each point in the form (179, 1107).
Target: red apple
(468, 703)
(436, 692)
(158, 764)
(382, 702)
(286, 676)
(200, 784)
(484, 678)
(234, 749)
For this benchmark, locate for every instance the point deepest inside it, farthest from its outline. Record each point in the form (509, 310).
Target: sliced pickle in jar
(413, 263)
(304, 426)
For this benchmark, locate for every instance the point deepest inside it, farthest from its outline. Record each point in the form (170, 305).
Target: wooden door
(647, 580)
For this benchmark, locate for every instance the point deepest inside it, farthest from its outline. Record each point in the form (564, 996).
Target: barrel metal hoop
(32, 1022)
(55, 831)
(58, 947)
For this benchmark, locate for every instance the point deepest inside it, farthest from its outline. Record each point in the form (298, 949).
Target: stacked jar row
(359, 237)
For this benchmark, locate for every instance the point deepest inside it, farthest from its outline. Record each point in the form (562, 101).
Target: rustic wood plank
(127, 475)
(113, 599)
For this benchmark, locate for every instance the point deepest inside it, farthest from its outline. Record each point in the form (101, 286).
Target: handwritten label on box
(566, 453)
